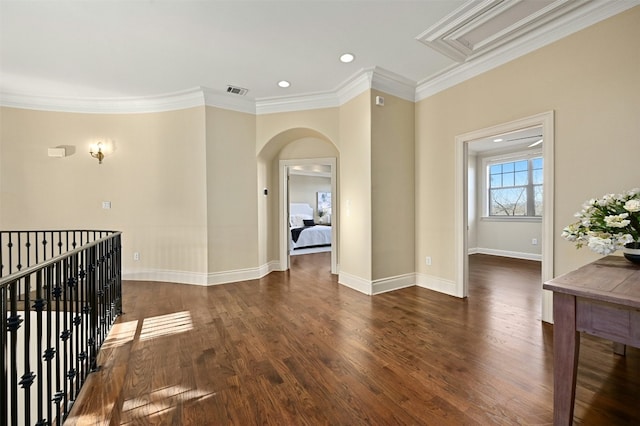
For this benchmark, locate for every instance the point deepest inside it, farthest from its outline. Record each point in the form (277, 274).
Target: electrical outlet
(534, 241)
(428, 260)
(136, 256)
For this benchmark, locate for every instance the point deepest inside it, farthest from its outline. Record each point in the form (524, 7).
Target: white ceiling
(144, 49)
(518, 140)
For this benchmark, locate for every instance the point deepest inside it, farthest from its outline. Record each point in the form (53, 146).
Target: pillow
(308, 222)
(297, 220)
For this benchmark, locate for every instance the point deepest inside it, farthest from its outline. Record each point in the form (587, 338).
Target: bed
(304, 231)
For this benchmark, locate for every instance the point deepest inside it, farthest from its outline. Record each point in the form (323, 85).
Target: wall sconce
(97, 154)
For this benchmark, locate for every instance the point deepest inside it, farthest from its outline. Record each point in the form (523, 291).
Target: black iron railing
(60, 293)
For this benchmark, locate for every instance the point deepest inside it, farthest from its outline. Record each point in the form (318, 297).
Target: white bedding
(319, 235)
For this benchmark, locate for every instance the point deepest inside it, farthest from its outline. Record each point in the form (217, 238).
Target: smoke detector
(234, 90)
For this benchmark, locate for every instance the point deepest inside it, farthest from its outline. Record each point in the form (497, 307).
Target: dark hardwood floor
(296, 348)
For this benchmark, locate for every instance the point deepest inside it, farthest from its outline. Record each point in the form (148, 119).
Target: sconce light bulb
(99, 155)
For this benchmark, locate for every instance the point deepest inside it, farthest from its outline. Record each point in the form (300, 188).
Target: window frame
(510, 157)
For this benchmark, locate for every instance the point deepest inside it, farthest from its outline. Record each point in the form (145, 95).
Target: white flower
(632, 206)
(608, 223)
(606, 200)
(601, 245)
(633, 192)
(617, 220)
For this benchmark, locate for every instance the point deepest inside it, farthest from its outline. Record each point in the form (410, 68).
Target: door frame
(546, 121)
(283, 211)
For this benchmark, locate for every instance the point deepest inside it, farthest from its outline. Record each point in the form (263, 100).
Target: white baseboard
(376, 286)
(359, 284)
(436, 284)
(506, 253)
(393, 283)
(180, 277)
(204, 279)
(356, 283)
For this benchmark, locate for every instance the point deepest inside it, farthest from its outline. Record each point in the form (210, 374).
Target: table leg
(566, 346)
(619, 348)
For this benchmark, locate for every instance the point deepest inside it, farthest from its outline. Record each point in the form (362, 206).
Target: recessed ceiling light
(498, 140)
(284, 83)
(347, 57)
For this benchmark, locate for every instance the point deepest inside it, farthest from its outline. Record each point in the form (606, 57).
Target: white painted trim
(365, 79)
(226, 101)
(393, 84)
(354, 282)
(180, 277)
(198, 278)
(168, 102)
(385, 285)
(296, 103)
(592, 13)
(436, 284)
(355, 85)
(283, 228)
(546, 121)
(226, 277)
(507, 253)
(368, 78)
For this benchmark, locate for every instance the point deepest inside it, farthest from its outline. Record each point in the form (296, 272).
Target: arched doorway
(293, 146)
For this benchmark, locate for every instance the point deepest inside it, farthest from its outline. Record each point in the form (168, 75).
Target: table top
(611, 279)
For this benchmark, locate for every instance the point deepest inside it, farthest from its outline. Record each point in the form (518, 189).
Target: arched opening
(293, 147)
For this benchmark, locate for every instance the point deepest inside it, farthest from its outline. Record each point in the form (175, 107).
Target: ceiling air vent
(237, 90)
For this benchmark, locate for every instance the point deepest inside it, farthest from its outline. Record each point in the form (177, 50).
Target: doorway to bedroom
(504, 188)
(308, 210)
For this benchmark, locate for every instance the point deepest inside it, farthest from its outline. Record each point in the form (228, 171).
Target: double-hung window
(514, 186)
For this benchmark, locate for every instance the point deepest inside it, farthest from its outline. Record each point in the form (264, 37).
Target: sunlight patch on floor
(159, 402)
(166, 325)
(120, 334)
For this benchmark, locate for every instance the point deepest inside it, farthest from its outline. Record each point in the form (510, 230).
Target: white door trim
(283, 213)
(546, 121)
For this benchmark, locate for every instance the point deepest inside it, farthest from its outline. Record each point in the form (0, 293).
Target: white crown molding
(370, 78)
(358, 83)
(218, 99)
(393, 84)
(365, 79)
(593, 12)
(296, 103)
(169, 102)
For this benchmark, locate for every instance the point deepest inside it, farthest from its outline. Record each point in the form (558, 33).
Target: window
(514, 187)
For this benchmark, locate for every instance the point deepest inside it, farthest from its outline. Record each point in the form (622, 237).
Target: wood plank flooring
(297, 348)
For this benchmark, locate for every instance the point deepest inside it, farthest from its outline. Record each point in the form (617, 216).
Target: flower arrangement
(607, 224)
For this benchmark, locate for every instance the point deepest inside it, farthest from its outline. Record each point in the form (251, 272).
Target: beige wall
(591, 81)
(153, 174)
(304, 189)
(392, 187)
(355, 187)
(186, 186)
(232, 190)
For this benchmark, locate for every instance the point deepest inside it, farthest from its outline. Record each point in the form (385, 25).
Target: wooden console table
(602, 299)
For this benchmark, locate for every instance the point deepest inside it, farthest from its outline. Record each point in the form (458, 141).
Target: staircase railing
(60, 293)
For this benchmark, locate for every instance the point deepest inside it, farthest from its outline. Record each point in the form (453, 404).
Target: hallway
(298, 348)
